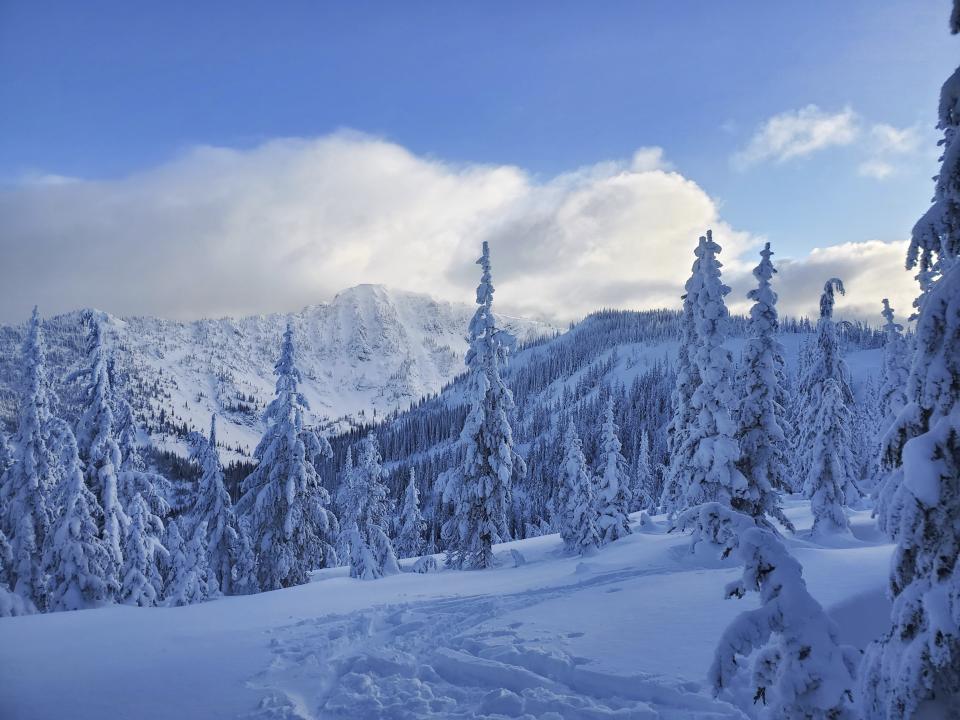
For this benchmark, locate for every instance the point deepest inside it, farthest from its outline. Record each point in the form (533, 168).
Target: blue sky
(101, 90)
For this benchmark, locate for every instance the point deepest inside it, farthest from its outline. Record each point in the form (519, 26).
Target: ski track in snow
(437, 659)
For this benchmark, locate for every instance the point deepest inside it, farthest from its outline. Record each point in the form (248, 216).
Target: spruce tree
(11, 604)
(710, 452)
(28, 484)
(760, 415)
(214, 510)
(81, 574)
(914, 669)
(687, 380)
(98, 445)
(613, 494)
(579, 521)
(366, 494)
(142, 583)
(284, 499)
(482, 491)
(410, 541)
(831, 463)
(642, 488)
(896, 369)
(191, 579)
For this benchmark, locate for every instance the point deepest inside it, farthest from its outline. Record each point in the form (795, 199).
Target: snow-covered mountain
(369, 351)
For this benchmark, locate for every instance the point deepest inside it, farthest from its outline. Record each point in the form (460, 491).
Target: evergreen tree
(579, 527)
(214, 510)
(613, 483)
(346, 507)
(761, 421)
(366, 494)
(191, 579)
(896, 369)
(831, 463)
(142, 584)
(482, 491)
(710, 452)
(285, 502)
(641, 492)
(81, 572)
(914, 669)
(98, 445)
(11, 604)
(825, 363)
(410, 541)
(687, 380)
(25, 494)
(800, 669)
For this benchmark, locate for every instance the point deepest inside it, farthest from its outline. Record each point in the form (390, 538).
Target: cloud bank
(291, 222)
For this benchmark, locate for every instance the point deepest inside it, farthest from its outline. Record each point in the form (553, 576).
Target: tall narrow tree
(578, 527)
(482, 491)
(213, 510)
(761, 415)
(613, 482)
(914, 669)
(410, 541)
(710, 452)
(287, 505)
(29, 482)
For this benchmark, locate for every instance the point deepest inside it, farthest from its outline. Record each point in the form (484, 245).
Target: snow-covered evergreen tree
(914, 669)
(642, 485)
(25, 493)
(687, 380)
(286, 504)
(761, 415)
(11, 604)
(710, 452)
(81, 571)
(346, 508)
(127, 436)
(142, 583)
(896, 369)
(579, 527)
(410, 540)
(214, 510)
(191, 579)
(363, 565)
(825, 363)
(97, 442)
(481, 493)
(831, 463)
(613, 494)
(800, 669)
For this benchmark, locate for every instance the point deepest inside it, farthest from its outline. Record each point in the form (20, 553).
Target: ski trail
(449, 658)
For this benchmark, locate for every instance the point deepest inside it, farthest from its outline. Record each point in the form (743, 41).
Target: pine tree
(579, 526)
(366, 494)
(762, 425)
(98, 445)
(214, 510)
(346, 507)
(641, 492)
(914, 669)
(142, 550)
(81, 573)
(191, 579)
(482, 491)
(687, 380)
(710, 452)
(613, 483)
(286, 504)
(410, 541)
(831, 463)
(25, 494)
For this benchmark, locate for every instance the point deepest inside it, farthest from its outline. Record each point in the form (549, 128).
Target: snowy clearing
(627, 633)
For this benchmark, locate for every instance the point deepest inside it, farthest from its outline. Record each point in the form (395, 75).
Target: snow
(631, 630)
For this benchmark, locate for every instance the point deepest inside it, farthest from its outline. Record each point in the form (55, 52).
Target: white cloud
(796, 133)
(876, 169)
(291, 222)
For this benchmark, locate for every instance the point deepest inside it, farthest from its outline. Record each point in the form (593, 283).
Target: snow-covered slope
(371, 350)
(627, 633)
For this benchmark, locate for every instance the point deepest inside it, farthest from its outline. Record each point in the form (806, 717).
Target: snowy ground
(628, 633)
